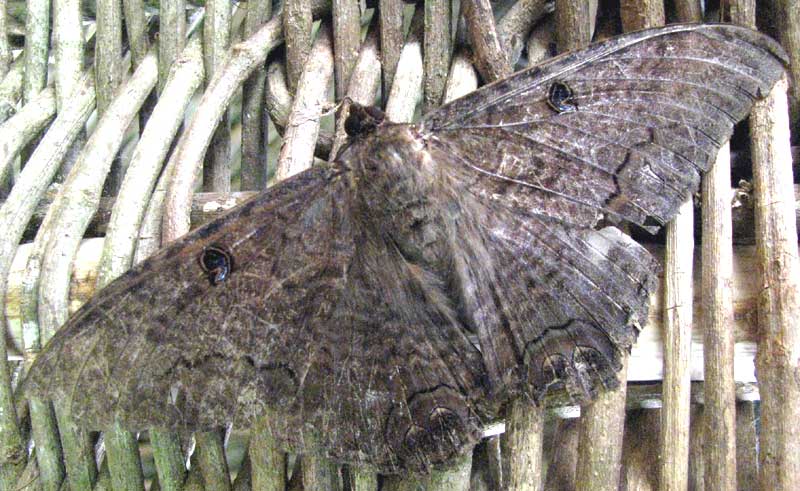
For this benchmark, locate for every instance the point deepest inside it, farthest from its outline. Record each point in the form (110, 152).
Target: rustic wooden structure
(725, 308)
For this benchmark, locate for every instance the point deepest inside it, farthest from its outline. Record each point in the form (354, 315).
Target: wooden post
(779, 300)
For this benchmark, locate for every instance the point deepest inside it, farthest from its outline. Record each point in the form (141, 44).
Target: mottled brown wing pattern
(634, 122)
(317, 321)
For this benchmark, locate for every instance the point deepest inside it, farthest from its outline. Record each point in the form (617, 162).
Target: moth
(394, 300)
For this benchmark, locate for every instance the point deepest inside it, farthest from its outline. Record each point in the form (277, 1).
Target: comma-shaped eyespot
(560, 98)
(217, 264)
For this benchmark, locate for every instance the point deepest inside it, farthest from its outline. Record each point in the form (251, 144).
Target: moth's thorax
(399, 189)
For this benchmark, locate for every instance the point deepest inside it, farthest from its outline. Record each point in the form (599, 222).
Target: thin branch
(297, 22)
(171, 36)
(21, 129)
(346, 42)
(391, 27)
(490, 58)
(246, 57)
(436, 53)
(37, 41)
(254, 119)
(216, 40)
(297, 150)
(407, 87)
(11, 90)
(136, 28)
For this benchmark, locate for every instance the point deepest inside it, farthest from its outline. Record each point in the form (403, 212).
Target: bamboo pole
(779, 299)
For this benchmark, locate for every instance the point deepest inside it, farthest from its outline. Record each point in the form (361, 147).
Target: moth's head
(362, 120)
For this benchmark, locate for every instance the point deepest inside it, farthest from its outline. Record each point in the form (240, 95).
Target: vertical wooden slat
(171, 36)
(346, 42)
(37, 40)
(254, 117)
(779, 298)
(436, 52)
(391, 26)
(746, 445)
(297, 22)
(640, 454)
(216, 38)
(717, 318)
(5, 47)
(788, 23)
(455, 477)
(522, 447)
(136, 28)
(211, 462)
(297, 150)
(600, 444)
(563, 456)
(407, 86)
(573, 24)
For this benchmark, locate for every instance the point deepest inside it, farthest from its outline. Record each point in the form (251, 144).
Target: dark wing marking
(285, 306)
(642, 115)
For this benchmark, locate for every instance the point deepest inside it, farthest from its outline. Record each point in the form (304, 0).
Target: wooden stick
(718, 346)
(297, 22)
(171, 36)
(364, 83)
(297, 150)
(254, 119)
(522, 447)
(391, 27)
(779, 299)
(489, 57)
(195, 140)
(408, 81)
(564, 458)
(11, 91)
(216, 41)
(574, 21)
(600, 443)
(436, 52)
(37, 42)
(346, 42)
(136, 29)
(747, 445)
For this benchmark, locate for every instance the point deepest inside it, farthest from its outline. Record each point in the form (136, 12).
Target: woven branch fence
(110, 118)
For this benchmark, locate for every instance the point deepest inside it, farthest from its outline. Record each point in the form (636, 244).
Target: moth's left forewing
(173, 344)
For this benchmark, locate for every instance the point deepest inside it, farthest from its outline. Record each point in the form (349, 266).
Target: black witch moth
(395, 299)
